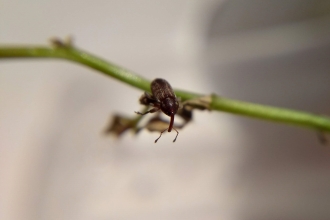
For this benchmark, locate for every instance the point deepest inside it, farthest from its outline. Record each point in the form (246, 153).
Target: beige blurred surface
(55, 162)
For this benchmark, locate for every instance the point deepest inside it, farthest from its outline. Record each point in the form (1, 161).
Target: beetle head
(169, 106)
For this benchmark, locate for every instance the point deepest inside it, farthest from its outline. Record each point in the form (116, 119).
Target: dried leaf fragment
(62, 43)
(201, 103)
(119, 125)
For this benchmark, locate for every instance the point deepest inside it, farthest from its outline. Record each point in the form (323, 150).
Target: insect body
(164, 99)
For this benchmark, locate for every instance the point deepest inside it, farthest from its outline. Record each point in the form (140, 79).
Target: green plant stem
(305, 119)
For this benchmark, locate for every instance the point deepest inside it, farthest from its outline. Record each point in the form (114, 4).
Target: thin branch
(78, 56)
(66, 52)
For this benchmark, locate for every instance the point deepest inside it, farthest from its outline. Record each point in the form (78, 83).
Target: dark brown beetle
(162, 98)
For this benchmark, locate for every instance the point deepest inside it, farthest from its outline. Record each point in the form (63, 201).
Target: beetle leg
(147, 99)
(150, 111)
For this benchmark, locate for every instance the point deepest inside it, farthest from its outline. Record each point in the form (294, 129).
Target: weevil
(162, 98)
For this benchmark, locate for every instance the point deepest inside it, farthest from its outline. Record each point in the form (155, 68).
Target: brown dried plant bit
(322, 137)
(201, 103)
(156, 124)
(62, 43)
(186, 114)
(119, 125)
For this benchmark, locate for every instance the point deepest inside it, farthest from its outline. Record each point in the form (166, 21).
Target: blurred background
(56, 163)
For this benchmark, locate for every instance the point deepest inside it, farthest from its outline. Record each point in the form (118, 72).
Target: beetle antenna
(177, 133)
(160, 135)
